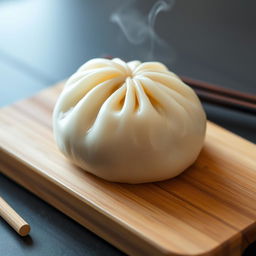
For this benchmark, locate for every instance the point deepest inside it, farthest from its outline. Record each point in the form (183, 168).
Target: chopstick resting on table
(13, 218)
(222, 96)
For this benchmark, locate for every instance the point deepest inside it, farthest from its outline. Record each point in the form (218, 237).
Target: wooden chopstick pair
(222, 96)
(13, 218)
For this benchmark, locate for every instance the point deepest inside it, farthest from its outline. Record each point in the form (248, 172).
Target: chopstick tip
(24, 230)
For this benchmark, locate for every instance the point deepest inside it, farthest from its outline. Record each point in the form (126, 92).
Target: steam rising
(139, 30)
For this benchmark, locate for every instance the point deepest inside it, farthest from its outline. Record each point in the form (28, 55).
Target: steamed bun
(129, 122)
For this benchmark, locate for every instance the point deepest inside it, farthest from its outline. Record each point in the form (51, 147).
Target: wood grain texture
(208, 210)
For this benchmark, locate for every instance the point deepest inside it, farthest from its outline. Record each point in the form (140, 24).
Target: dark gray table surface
(44, 41)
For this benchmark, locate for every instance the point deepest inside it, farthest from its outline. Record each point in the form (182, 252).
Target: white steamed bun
(129, 122)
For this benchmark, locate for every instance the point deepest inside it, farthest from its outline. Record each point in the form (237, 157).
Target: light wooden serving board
(208, 210)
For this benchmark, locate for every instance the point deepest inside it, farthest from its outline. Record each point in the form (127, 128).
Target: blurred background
(45, 41)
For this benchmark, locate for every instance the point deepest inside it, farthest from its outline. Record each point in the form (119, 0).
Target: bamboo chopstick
(217, 89)
(13, 218)
(222, 96)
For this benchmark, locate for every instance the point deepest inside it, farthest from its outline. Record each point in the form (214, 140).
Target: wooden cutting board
(208, 210)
